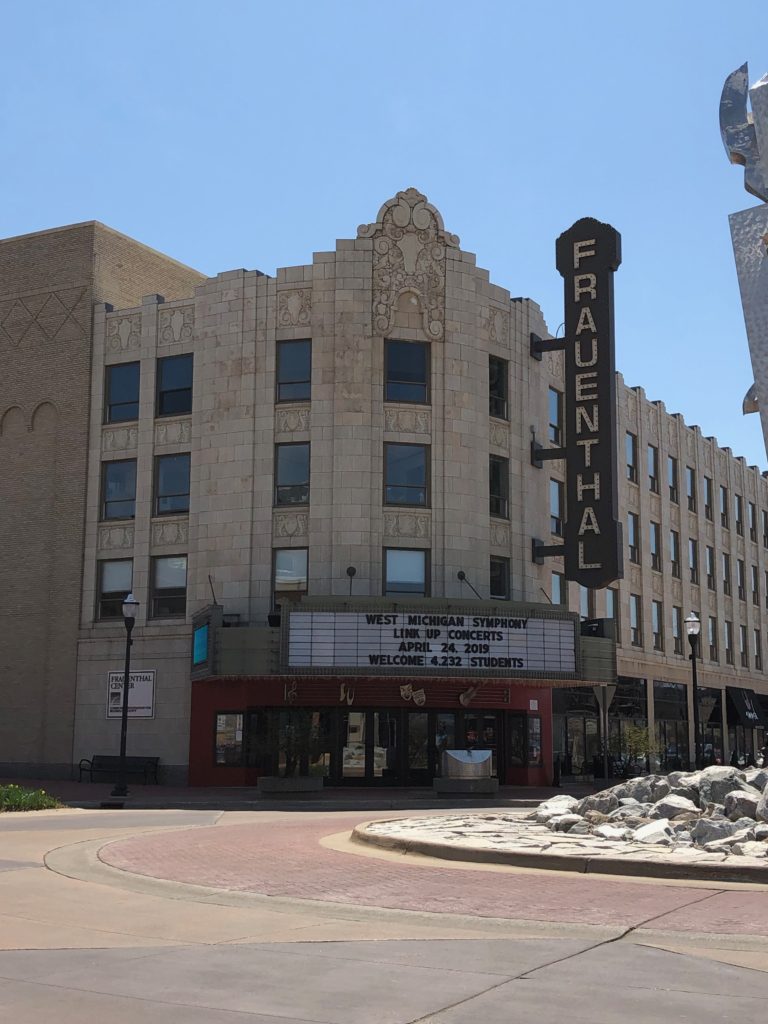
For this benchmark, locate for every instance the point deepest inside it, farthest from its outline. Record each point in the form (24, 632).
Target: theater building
(319, 488)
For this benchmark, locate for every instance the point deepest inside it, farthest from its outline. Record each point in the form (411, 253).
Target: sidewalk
(247, 798)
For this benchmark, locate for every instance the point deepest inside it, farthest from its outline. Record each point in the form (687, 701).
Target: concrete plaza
(159, 915)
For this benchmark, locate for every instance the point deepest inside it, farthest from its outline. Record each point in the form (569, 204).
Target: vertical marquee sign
(587, 256)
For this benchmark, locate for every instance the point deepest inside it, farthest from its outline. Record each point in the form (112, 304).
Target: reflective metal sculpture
(745, 137)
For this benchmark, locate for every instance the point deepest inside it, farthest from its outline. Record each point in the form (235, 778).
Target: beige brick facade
(403, 277)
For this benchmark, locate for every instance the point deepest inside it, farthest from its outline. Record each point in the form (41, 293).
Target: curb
(576, 863)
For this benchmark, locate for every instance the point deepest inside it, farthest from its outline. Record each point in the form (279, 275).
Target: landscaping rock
(708, 830)
(718, 780)
(757, 777)
(581, 828)
(564, 822)
(671, 805)
(611, 832)
(761, 812)
(741, 804)
(750, 848)
(688, 792)
(760, 832)
(604, 802)
(655, 832)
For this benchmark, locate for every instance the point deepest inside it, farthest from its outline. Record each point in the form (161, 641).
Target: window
(406, 474)
(708, 498)
(724, 507)
(693, 559)
(757, 649)
(657, 624)
(739, 514)
(728, 638)
(709, 565)
(405, 572)
(655, 540)
(289, 573)
(499, 579)
(741, 579)
(633, 537)
(635, 621)
(556, 507)
(755, 585)
(674, 495)
(169, 587)
(677, 628)
(498, 387)
(765, 528)
(586, 603)
(690, 487)
(765, 587)
(291, 474)
(555, 417)
(653, 468)
(612, 610)
(406, 371)
(294, 371)
(674, 552)
(752, 521)
(559, 589)
(229, 739)
(122, 393)
(171, 484)
(631, 448)
(712, 637)
(118, 489)
(174, 385)
(115, 583)
(726, 574)
(499, 486)
(743, 647)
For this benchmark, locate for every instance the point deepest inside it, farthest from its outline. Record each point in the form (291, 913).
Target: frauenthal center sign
(587, 255)
(436, 643)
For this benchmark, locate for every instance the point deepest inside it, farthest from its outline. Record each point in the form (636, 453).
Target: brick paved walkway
(285, 858)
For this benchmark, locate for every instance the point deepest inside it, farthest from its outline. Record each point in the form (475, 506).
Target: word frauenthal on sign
(587, 256)
(436, 643)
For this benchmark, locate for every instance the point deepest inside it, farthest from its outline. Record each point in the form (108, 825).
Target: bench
(109, 764)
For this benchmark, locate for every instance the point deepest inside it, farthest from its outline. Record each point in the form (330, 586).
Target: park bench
(109, 764)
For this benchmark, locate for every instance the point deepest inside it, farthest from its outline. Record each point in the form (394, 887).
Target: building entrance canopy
(750, 711)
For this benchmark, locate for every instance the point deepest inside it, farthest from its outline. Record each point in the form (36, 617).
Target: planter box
(297, 785)
(466, 787)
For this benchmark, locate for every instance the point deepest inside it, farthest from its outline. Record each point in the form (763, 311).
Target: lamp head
(692, 625)
(130, 608)
(351, 571)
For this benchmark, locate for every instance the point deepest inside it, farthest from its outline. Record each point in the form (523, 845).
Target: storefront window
(670, 701)
(711, 725)
(534, 740)
(229, 739)
(445, 738)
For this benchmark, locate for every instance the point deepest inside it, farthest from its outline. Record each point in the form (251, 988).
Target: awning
(748, 707)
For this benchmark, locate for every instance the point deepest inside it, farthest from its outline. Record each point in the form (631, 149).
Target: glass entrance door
(419, 773)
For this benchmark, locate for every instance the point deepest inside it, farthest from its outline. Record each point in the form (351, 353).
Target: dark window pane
(499, 486)
(407, 371)
(405, 470)
(118, 490)
(172, 484)
(498, 374)
(169, 586)
(115, 581)
(292, 474)
(500, 579)
(122, 393)
(294, 370)
(174, 385)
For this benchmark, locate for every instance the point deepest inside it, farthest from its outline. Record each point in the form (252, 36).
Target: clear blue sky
(250, 134)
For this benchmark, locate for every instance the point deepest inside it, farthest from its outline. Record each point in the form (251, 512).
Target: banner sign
(141, 694)
(587, 256)
(431, 643)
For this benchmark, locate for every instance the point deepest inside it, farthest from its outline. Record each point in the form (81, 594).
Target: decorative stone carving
(170, 531)
(173, 431)
(407, 524)
(653, 426)
(42, 317)
(119, 439)
(499, 435)
(710, 531)
(290, 524)
(294, 308)
(708, 456)
(497, 326)
(635, 577)
(499, 535)
(677, 590)
(408, 421)
(658, 585)
(292, 420)
(554, 361)
(690, 443)
(655, 505)
(176, 324)
(674, 515)
(124, 333)
(115, 538)
(409, 243)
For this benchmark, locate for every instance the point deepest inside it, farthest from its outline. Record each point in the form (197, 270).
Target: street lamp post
(693, 628)
(130, 607)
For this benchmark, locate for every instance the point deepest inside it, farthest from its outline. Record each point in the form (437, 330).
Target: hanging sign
(587, 256)
(141, 694)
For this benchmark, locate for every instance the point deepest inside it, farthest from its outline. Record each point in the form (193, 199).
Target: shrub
(15, 798)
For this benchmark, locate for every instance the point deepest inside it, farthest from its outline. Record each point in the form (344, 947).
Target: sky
(252, 134)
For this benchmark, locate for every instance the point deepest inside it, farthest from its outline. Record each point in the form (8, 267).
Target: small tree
(634, 743)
